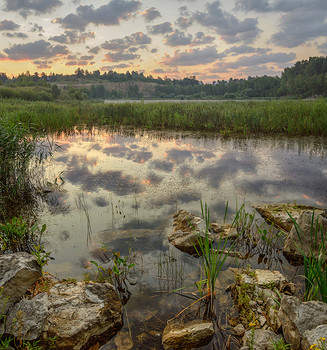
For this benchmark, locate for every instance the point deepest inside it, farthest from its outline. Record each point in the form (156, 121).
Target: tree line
(307, 78)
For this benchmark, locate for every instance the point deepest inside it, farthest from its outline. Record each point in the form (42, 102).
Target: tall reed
(288, 117)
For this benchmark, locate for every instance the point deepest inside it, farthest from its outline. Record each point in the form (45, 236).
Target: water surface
(121, 188)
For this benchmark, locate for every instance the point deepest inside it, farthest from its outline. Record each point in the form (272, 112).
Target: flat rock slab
(188, 336)
(276, 214)
(18, 272)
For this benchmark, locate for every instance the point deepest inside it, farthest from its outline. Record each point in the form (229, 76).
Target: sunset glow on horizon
(212, 40)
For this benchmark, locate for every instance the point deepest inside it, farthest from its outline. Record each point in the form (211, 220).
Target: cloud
(230, 28)
(8, 25)
(108, 15)
(86, 58)
(178, 38)
(191, 57)
(162, 28)
(136, 40)
(266, 6)
(306, 22)
(184, 22)
(323, 47)
(27, 7)
(302, 20)
(36, 28)
(246, 61)
(77, 63)
(35, 50)
(120, 56)
(42, 64)
(95, 49)
(151, 14)
(253, 5)
(116, 66)
(72, 37)
(243, 49)
(15, 35)
(202, 39)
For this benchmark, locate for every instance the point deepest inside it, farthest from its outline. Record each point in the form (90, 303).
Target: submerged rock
(188, 336)
(187, 229)
(277, 214)
(302, 321)
(18, 272)
(304, 237)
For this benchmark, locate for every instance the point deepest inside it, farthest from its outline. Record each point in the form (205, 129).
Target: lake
(120, 188)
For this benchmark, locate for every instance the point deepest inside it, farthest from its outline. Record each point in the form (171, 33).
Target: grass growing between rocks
(288, 117)
(315, 262)
(212, 258)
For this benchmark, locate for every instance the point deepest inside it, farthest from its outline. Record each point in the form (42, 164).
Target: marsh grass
(315, 263)
(22, 153)
(227, 118)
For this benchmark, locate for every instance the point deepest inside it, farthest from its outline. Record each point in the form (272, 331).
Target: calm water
(121, 188)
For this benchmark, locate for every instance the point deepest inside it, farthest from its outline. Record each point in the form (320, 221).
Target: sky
(212, 40)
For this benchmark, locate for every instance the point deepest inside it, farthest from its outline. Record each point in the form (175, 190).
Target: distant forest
(307, 78)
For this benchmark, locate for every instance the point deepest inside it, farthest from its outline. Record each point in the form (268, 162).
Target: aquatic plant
(17, 235)
(315, 267)
(212, 258)
(116, 271)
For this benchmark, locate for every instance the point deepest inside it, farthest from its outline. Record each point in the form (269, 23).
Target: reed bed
(294, 117)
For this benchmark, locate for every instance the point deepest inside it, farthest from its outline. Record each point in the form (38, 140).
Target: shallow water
(121, 188)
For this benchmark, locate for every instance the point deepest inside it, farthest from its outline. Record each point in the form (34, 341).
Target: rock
(262, 339)
(18, 272)
(123, 341)
(192, 334)
(27, 317)
(276, 214)
(187, 229)
(307, 241)
(224, 231)
(80, 313)
(311, 337)
(239, 329)
(268, 277)
(301, 318)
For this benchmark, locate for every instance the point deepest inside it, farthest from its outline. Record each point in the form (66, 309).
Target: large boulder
(277, 213)
(190, 335)
(188, 228)
(303, 237)
(18, 272)
(77, 314)
(302, 321)
(262, 339)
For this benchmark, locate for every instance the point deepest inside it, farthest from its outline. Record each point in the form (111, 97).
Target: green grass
(315, 262)
(212, 259)
(288, 117)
